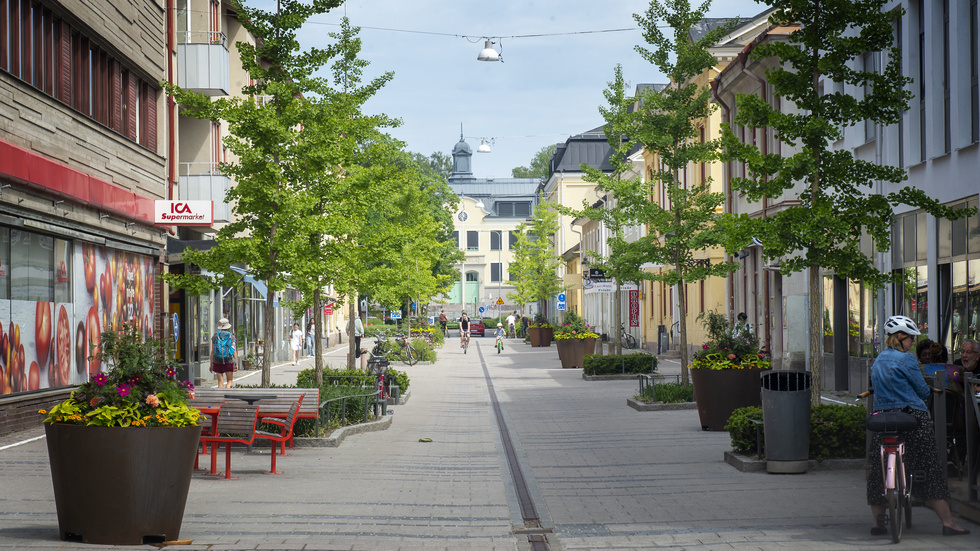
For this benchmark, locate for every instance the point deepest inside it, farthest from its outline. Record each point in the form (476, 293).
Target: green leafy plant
(836, 431)
(727, 348)
(668, 393)
(574, 327)
(140, 388)
(611, 365)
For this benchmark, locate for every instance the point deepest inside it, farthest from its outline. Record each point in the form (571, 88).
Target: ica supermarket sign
(183, 213)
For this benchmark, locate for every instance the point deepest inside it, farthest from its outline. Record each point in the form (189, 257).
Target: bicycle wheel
(629, 340)
(907, 495)
(409, 355)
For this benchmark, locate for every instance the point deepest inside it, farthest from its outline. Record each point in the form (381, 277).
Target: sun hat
(223, 323)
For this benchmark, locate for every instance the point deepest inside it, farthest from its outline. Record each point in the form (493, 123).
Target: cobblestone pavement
(600, 475)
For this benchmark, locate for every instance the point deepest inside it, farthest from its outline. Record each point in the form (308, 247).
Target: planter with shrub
(630, 364)
(836, 432)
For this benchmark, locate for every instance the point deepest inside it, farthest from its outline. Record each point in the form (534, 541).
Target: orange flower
(152, 400)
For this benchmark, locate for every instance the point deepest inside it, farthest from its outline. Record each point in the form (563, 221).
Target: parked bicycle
(628, 340)
(399, 349)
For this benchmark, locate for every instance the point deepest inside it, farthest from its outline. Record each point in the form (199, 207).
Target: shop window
(4, 263)
(63, 270)
(32, 266)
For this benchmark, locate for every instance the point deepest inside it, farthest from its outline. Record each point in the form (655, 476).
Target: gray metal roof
(497, 187)
(589, 148)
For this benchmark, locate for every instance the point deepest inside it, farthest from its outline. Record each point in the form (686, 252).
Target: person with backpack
(224, 356)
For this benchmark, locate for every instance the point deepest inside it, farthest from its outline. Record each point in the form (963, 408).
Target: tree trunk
(317, 327)
(617, 319)
(351, 312)
(815, 333)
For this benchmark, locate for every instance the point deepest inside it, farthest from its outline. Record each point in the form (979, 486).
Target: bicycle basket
(892, 421)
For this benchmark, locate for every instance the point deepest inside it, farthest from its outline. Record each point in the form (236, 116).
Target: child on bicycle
(898, 384)
(499, 333)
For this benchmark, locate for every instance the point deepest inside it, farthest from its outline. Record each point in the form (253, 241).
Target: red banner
(634, 308)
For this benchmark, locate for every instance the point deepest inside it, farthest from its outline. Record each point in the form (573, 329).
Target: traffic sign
(396, 314)
(561, 306)
(482, 310)
(561, 297)
(500, 300)
(176, 325)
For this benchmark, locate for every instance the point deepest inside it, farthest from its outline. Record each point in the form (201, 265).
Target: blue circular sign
(561, 297)
(481, 309)
(176, 326)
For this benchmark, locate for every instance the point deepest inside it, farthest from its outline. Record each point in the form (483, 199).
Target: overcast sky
(547, 88)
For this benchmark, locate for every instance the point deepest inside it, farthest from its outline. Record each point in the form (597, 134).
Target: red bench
(235, 424)
(277, 440)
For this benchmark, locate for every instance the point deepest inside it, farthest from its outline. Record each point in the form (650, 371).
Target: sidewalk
(599, 475)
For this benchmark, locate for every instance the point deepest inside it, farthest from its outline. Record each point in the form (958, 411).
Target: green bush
(613, 365)
(836, 431)
(668, 393)
(741, 428)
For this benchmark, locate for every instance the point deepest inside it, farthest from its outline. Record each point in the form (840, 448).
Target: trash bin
(786, 420)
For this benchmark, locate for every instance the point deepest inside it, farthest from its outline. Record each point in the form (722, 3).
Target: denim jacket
(898, 381)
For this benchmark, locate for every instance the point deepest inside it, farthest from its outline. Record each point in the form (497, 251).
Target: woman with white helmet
(899, 385)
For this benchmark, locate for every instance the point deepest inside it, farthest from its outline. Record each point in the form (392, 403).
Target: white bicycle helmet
(895, 324)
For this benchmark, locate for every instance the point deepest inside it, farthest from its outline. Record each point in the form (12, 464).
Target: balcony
(203, 66)
(204, 182)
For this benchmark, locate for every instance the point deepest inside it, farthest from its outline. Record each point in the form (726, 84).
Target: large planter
(720, 392)
(121, 486)
(572, 352)
(540, 336)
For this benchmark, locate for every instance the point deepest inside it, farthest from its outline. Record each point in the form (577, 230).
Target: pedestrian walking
(224, 354)
(296, 340)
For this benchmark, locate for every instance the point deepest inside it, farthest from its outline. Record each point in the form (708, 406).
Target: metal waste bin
(786, 420)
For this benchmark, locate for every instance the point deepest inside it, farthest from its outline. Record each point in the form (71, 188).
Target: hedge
(836, 431)
(614, 365)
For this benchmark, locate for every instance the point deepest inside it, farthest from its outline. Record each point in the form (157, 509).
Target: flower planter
(121, 486)
(572, 352)
(720, 392)
(540, 336)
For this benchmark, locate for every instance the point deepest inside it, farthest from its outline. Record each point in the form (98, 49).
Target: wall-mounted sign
(183, 213)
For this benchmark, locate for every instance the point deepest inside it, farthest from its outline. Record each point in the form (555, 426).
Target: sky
(546, 89)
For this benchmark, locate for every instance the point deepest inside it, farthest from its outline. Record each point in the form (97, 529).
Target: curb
(340, 434)
(748, 464)
(660, 406)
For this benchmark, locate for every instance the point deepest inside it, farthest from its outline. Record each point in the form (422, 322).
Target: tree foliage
(535, 264)
(539, 164)
(665, 122)
(838, 204)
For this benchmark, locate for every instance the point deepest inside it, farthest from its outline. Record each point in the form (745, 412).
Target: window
(974, 74)
(472, 276)
(45, 52)
(513, 239)
(496, 238)
(946, 99)
(472, 240)
(456, 238)
(513, 208)
(868, 66)
(32, 262)
(495, 271)
(922, 80)
(4, 263)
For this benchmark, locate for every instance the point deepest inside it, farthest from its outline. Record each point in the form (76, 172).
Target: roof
(497, 187)
(590, 148)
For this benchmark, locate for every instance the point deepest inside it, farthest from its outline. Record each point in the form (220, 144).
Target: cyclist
(464, 330)
(511, 325)
(499, 333)
(443, 321)
(898, 384)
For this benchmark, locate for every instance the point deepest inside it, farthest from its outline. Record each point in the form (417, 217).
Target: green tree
(838, 205)
(282, 146)
(438, 163)
(665, 122)
(539, 164)
(535, 263)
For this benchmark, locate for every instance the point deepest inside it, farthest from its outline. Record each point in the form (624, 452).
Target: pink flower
(100, 379)
(94, 401)
(732, 356)
(761, 355)
(123, 390)
(152, 400)
(704, 346)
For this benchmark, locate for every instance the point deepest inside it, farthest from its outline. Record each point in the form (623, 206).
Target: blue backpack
(224, 346)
